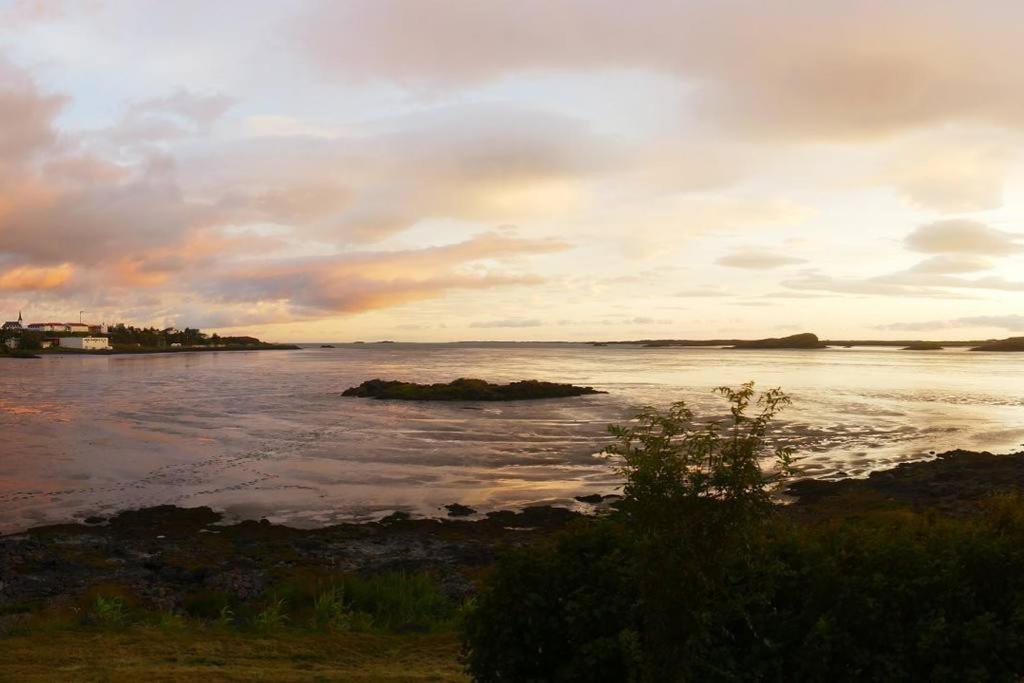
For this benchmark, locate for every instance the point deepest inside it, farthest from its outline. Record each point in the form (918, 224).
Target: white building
(85, 343)
(48, 327)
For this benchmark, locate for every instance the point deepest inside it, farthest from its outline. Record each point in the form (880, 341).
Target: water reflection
(267, 433)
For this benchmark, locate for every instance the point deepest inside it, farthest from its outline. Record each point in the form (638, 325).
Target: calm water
(267, 434)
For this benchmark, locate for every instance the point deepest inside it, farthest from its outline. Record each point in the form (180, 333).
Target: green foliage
(151, 337)
(399, 601)
(330, 611)
(698, 580)
(566, 611)
(209, 605)
(391, 602)
(171, 621)
(108, 612)
(272, 617)
(675, 468)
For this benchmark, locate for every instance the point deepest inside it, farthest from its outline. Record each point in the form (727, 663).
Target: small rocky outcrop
(466, 390)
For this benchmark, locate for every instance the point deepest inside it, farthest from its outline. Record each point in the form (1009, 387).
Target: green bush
(697, 579)
(565, 611)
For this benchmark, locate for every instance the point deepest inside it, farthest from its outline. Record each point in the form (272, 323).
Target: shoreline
(164, 554)
(951, 481)
(40, 353)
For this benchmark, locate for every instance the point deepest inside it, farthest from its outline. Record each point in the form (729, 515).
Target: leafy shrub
(563, 611)
(696, 579)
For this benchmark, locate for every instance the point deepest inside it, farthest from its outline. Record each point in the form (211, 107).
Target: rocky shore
(166, 556)
(956, 482)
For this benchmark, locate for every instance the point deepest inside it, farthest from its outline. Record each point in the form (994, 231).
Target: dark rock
(459, 510)
(464, 389)
(592, 499)
(397, 516)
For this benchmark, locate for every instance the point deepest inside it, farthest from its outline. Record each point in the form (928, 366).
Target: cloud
(26, 115)
(25, 278)
(701, 292)
(951, 264)
(960, 236)
(508, 322)
(178, 115)
(169, 228)
(812, 69)
(1011, 323)
(951, 171)
(757, 260)
(904, 283)
(358, 282)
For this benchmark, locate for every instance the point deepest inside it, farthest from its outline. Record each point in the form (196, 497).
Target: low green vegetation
(699, 577)
(465, 390)
(367, 626)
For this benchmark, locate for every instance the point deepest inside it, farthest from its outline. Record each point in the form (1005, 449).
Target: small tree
(675, 466)
(696, 495)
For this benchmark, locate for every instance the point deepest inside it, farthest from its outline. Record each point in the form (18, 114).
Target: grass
(389, 627)
(211, 654)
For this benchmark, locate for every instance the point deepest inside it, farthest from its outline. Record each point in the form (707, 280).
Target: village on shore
(36, 336)
(19, 337)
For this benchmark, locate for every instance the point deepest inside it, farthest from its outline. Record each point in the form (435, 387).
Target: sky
(515, 170)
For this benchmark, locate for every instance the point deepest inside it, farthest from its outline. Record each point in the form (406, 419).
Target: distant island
(923, 346)
(465, 389)
(1010, 344)
(806, 340)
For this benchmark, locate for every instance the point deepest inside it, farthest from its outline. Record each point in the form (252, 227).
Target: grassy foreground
(151, 654)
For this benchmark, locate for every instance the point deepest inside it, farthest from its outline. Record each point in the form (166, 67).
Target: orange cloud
(27, 278)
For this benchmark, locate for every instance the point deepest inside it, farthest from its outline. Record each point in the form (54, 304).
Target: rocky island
(465, 389)
(923, 346)
(1009, 344)
(806, 340)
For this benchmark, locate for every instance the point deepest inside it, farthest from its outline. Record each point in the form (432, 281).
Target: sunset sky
(536, 169)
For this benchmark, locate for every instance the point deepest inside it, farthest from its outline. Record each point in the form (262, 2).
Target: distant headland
(21, 340)
(809, 340)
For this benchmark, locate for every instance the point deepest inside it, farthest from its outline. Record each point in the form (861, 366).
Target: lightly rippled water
(266, 434)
